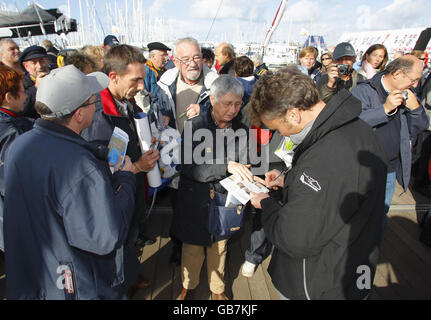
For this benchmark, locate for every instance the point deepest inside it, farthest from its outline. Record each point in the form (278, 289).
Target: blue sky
(250, 19)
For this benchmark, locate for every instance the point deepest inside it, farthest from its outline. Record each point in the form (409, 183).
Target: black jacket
(30, 90)
(191, 211)
(228, 68)
(11, 126)
(328, 224)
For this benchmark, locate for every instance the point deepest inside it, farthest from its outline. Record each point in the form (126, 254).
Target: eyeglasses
(326, 59)
(187, 60)
(413, 81)
(229, 104)
(90, 103)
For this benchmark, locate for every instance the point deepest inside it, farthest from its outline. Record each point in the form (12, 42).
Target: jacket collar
(170, 76)
(340, 110)
(225, 69)
(108, 103)
(9, 112)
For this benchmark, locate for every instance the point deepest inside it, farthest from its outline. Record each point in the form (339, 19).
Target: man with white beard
(185, 88)
(184, 94)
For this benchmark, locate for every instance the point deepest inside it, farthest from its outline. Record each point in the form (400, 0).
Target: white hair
(183, 40)
(225, 84)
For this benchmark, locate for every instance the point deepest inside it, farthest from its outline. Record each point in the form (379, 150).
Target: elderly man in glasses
(185, 88)
(393, 110)
(184, 94)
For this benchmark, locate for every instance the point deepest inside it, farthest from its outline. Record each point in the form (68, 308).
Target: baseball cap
(158, 46)
(65, 89)
(343, 49)
(111, 40)
(32, 52)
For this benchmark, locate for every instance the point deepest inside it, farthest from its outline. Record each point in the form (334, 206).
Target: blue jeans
(391, 181)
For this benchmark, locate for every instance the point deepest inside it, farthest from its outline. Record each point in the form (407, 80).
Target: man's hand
(193, 110)
(411, 102)
(393, 101)
(332, 75)
(127, 165)
(38, 78)
(273, 179)
(147, 161)
(240, 170)
(257, 198)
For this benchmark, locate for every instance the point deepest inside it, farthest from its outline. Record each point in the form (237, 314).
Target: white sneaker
(247, 269)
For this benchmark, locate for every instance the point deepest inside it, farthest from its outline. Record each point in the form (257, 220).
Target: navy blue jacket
(30, 90)
(11, 126)
(413, 122)
(248, 86)
(65, 220)
(105, 119)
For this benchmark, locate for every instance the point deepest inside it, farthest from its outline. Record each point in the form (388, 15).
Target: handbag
(223, 222)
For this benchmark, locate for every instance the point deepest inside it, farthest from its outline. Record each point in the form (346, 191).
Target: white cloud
(206, 9)
(159, 7)
(302, 11)
(394, 16)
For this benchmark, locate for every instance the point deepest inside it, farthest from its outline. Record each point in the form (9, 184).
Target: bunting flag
(274, 25)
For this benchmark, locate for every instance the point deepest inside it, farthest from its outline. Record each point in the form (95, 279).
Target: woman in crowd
(373, 61)
(12, 99)
(307, 63)
(326, 59)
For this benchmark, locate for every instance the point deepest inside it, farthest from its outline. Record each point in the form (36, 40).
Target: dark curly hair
(275, 93)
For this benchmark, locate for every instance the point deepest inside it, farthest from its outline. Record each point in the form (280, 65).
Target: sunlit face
(131, 82)
(37, 66)
(159, 58)
(409, 79)
(308, 60)
(189, 61)
(220, 57)
(226, 108)
(376, 58)
(209, 62)
(10, 53)
(326, 60)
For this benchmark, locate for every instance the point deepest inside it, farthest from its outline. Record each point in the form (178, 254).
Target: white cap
(65, 89)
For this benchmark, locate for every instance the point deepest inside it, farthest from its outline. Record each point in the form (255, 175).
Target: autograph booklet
(240, 189)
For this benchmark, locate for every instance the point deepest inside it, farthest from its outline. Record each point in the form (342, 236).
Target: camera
(343, 69)
(405, 95)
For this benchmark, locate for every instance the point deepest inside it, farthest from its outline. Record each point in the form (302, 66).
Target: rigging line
(215, 17)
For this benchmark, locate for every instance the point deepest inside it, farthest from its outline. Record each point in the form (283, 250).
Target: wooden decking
(404, 271)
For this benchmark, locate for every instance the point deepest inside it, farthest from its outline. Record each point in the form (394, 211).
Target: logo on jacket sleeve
(311, 182)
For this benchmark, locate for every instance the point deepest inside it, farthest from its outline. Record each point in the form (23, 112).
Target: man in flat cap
(109, 42)
(35, 63)
(155, 66)
(66, 216)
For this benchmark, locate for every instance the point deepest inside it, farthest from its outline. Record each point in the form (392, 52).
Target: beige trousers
(192, 260)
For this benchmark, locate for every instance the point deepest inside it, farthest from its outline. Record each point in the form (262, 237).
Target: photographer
(340, 75)
(392, 109)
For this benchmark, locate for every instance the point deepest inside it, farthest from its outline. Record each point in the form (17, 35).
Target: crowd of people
(71, 221)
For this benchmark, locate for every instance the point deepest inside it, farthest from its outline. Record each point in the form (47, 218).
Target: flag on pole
(274, 25)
